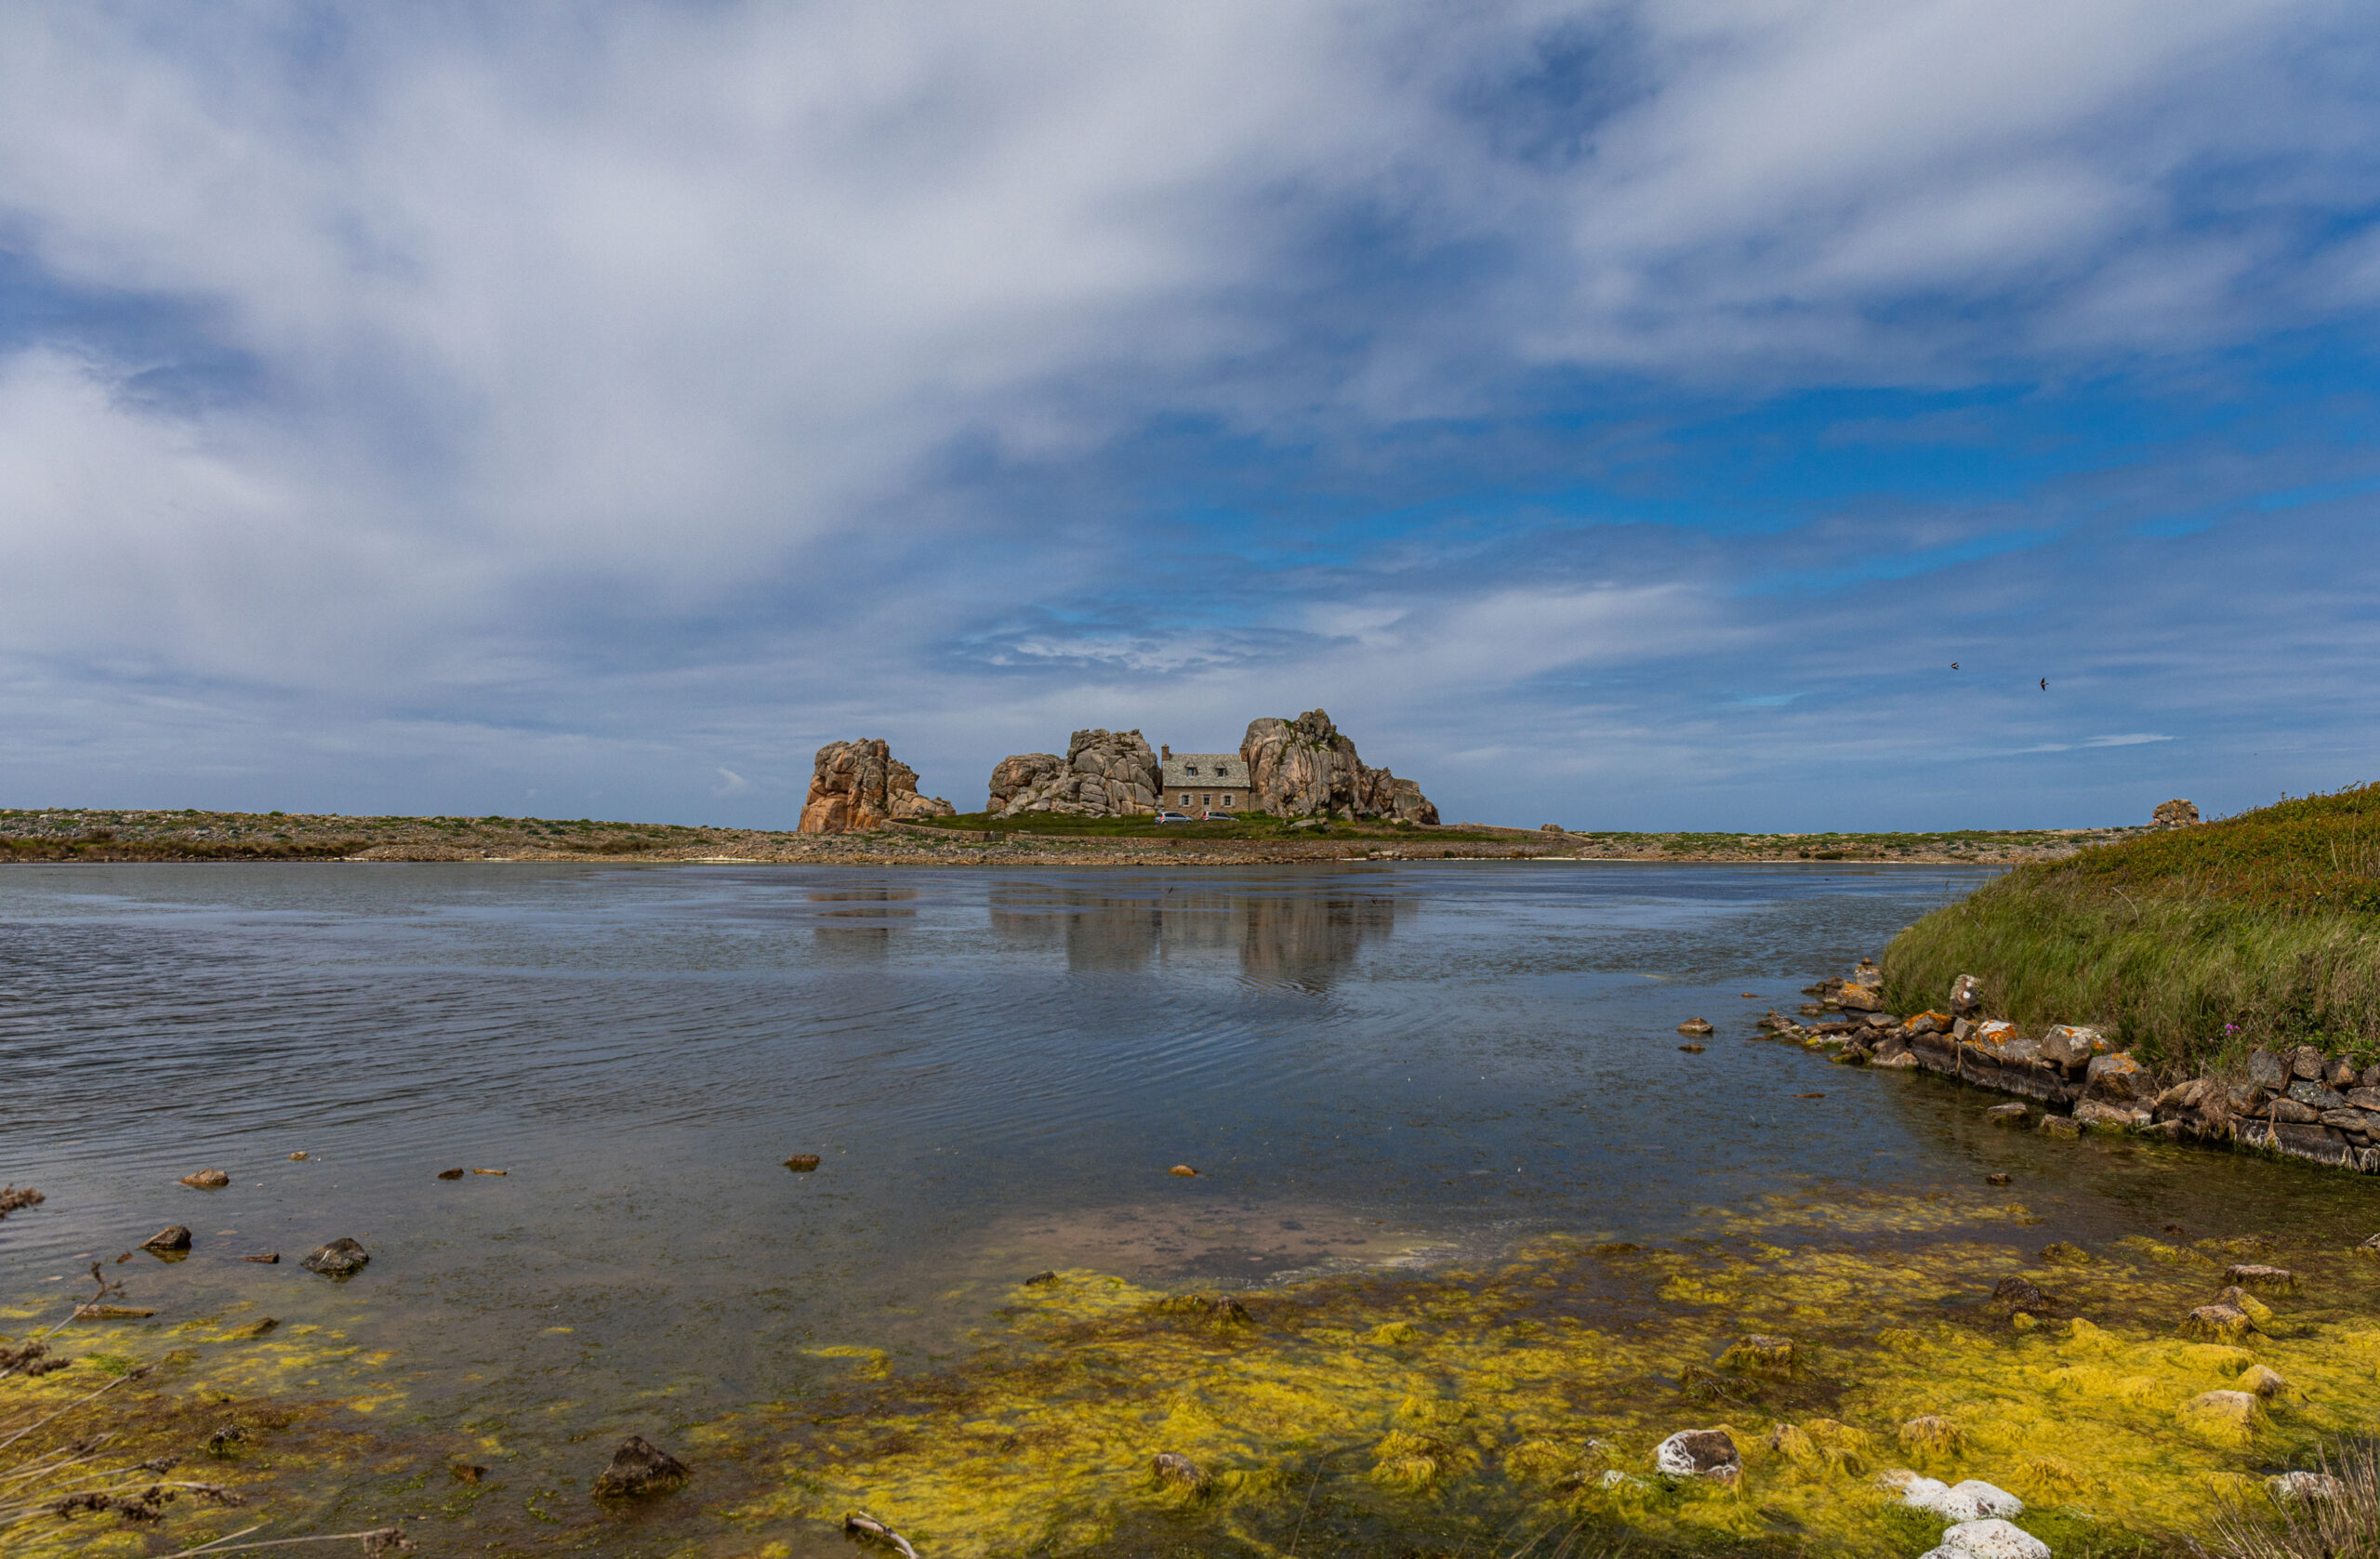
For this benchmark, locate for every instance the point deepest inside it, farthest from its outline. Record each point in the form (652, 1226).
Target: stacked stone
(2302, 1102)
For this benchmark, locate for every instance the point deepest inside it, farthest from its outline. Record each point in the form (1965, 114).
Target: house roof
(1206, 768)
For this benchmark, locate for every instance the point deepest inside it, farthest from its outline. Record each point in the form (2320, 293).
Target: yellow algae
(875, 1364)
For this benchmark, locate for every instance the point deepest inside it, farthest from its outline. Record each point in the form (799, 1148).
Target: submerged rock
(257, 1328)
(2255, 1275)
(173, 1236)
(2065, 1253)
(2219, 1323)
(1041, 1279)
(803, 1163)
(452, 1174)
(1172, 1467)
(340, 1258)
(640, 1467)
(2017, 1293)
(1699, 1453)
(2060, 1125)
(1757, 1354)
(2008, 1115)
(207, 1179)
(1989, 1540)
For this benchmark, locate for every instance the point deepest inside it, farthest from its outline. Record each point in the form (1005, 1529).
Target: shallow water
(1375, 1068)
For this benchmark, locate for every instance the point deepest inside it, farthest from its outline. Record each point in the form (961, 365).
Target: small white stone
(2303, 1486)
(1970, 1500)
(1989, 1540)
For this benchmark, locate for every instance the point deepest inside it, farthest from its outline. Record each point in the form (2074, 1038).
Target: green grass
(2192, 946)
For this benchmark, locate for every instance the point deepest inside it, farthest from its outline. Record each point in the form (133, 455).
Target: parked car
(1172, 817)
(1219, 816)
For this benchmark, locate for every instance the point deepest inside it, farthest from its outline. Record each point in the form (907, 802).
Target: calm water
(1401, 1064)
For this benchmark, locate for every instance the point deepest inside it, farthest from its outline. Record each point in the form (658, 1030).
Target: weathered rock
(2305, 1064)
(340, 1258)
(2304, 1486)
(1867, 973)
(2363, 1098)
(2017, 1293)
(452, 1174)
(2257, 1380)
(2222, 1415)
(2007, 1114)
(1103, 774)
(2292, 1111)
(1859, 998)
(1991, 1539)
(1042, 1280)
(2267, 1071)
(2065, 1253)
(2245, 1302)
(1172, 1467)
(1183, 1170)
(207, 1179)
(1967, 996)
(1305, 768)
(2217, 1323)
(2341, 1074)
(1970, 1500)
(2060, 1125)
(257, 1328)
(1697, 1026)
(2112, 1118)
(2117, 1079)
(803, 1163)
(638, 1468)
(2255, 1275)
(2316, 1096)
(173, 1236)
(2175, 814)
(1699, 1453)
(858, 785)
(2073, 1044)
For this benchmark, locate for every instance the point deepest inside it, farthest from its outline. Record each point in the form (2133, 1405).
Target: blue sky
(1619, 415)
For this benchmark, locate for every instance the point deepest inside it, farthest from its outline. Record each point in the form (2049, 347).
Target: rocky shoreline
(2302, 1104)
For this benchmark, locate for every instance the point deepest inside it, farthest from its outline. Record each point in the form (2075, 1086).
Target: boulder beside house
(858, 785)
(1105, 773)
(1306, 768)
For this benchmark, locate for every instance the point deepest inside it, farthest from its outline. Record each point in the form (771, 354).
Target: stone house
(1196, 782)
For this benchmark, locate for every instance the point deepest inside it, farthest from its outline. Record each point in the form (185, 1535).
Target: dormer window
(1190, 768)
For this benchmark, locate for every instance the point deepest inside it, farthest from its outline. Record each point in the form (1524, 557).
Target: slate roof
(1191, 770)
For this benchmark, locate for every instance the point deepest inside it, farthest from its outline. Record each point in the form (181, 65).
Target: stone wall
(1105, 773)
(858, 785)
(2302, 1102)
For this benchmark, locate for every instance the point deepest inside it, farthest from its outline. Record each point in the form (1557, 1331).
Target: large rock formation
(1105, 773)
(2173, 815)
(1304, 768)
(858, 785)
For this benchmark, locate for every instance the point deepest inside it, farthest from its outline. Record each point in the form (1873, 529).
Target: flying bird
(2045, 685)
(1954, 666)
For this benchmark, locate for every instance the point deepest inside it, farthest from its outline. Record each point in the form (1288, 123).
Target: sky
(1709, 413)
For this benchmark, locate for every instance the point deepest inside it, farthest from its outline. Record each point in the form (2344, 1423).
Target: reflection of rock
(858, 785)
(1105, 773)
(1273, 936)
(1304, 768)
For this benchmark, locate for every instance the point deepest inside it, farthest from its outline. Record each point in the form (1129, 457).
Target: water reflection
(1286, 937)
(863, 928)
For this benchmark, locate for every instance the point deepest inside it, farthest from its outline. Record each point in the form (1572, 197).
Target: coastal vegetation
(2191, 946)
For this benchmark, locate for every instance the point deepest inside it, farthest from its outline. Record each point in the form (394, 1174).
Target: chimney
(1164, 752)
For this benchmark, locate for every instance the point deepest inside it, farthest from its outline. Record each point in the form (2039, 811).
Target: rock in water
(1175, 1468)
(2175, 814)
(340, 1258)
(1305, 768)
(641, 1467)
(858, 785)
(2256, 1275)
(452, 1174)
(1182, 1170)
(1105, 773)
(1699, 1453)
(1696, 1027)
(207, 1179)
(803, 1163)
(173, 1236)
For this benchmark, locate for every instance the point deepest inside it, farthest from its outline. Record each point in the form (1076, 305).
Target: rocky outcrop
(858, 785)
(1305, 768)
(1105, 773)
(2175, 814)
(2302, 1102)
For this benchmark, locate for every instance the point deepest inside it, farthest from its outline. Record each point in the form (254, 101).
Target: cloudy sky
(1622, 414)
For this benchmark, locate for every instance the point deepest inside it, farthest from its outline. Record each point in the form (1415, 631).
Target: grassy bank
(2192, 946)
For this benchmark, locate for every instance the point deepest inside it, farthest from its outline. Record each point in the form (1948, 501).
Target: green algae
(1831, 1339)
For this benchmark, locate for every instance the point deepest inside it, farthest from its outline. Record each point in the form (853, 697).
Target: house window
(1189, 768)
(1227, 801)
(1205, 801)
(1185, 798)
